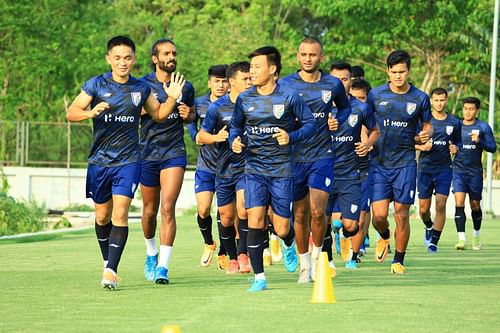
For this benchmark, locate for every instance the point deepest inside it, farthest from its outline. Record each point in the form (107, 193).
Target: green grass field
(51, 284)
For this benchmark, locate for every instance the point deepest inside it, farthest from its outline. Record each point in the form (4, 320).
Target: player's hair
(340, 66)
(398, 57)
(272, 54)
(357, 72)
(439, 91)
(217, 71)
(312, 40)
(156, 52)
(238, 66)
(121, 40)
(361, 84)
(472, 100)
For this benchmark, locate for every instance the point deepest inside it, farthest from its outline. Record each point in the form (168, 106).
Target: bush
(20, 217)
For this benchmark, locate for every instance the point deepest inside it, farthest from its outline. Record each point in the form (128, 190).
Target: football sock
(477, 218)
(399, 257)
(243, 231)
(165, 253)
(435, 235)
(354, 256)
(460, 219)
(428, 223)
(222, 249)
(117, 240)
(255, 244)
(288, 240)
(151, 246)
(305, 260)
(348, 234)
(228, 238)
(328, 242)
(205, 225)
(385, 234)
(102, 234)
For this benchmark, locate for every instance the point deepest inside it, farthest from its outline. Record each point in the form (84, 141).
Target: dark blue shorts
(104, 182)
(345, 198)
(204, 181)
(434, 182)
(473, 185)
(227, 187)
(150, 170)
(396, 184)
(366, 191)
(275, 191)
(317, 175)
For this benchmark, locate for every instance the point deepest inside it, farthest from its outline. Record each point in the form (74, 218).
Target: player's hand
(361, 149)
(282, 137)
(453, 148)
(333, 123)
(98, 109)
(184, 110)
(423, 136)
(222, 135)
(426, 146)
(237, 146)
(174, 90)
(197, 139)
(474, 137)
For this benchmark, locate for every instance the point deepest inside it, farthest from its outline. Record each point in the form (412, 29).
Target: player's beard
(168, 67)
(311, 70)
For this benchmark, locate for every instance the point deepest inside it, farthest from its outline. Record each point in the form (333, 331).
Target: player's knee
(350, 228)
(475, 205)
(204, 212)
(318, 216)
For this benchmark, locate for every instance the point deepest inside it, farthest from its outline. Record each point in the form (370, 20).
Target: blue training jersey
(398, 116)
(207, 155)
(115, 139)
(165, 140)
(260, 117)
(443, 132)
(347, 162)
(318, 97)
(468, 158)
(218, 115)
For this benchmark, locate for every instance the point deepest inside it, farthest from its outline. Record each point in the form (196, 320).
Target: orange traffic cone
(170, 329)
(323, 285)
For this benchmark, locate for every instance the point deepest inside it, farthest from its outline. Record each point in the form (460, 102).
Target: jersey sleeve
(237, 121)
(210, 122)
(488, 140)
(425, 114)
(368, 117)
(90, 87)
(188, 95)
(306, 118)
(457, 133)
(341, 102)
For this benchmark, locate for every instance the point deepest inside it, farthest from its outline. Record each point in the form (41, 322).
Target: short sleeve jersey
(116, 131)
(207, 156)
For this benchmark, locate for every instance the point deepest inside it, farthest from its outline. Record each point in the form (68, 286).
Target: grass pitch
(50, 283)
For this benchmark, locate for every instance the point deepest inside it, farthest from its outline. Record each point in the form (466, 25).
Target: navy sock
(255, 243)
(460, 219)
(477, 218)
(117, 240)
(328, 242)
(385, 234)
(228, 238)
(399, 257)
(222, 249)
(243, 231)
(428, 223)
(205, 225)
(102, 233)
(354, 256)
(435, 235)
(288, 240)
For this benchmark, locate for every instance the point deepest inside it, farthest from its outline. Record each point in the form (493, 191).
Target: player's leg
(150, 206)
(425, 188)
(204, 192)
(381, 196)
(241, 212)
(301, 221)
(442, 184)
(460, 188)
(475, 196)
(349, 204)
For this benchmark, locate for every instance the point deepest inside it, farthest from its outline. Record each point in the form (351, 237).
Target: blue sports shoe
(351, 264)
(291, 259)
(336, 226)
(366, 242)
(427, 236)
(257, 285)
(432, 248)
(149, 267)
(161, 275)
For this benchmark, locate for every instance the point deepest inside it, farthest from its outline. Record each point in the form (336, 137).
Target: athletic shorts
(396, 184)
(227, 187)
(317, 175)
(204, 181)
(345, 198)
(261, 191)
(150, 170)
(473, 185)
(435, 182)
(366, 191)
(104, 182)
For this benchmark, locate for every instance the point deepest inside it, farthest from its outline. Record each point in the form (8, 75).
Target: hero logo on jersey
(449, 130)
(411, 107)
(278, 110)
(326, 96)
(136, 98)
(353, 120)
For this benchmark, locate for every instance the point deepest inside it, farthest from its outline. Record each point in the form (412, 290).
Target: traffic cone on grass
(323, 285)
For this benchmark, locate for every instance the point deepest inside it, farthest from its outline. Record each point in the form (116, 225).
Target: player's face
(261, 72)
(240, 82)
(166, 60)
(398, 75)
(359, 94)
(121, 58)
(309, 57)
(218, 86)
(438, 102)
(470, 111)
(344, 76)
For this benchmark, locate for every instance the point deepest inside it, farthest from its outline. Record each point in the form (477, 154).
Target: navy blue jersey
(443, 131)
(398, 116)
(344, 138)
(218, 115)
(318, 97)
(261, 117)
(116, 131)
(468, 158)
(165, 140)
(207, 156)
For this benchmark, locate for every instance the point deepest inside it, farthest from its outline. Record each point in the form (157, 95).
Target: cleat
(358, 260)
(233, 267)
(345, 248)
(362, 250)
(381, 249)
(314, 267)
(161, 275)
(149, 267)
(291, 259)
(333, 269)
(351, 264)
(258, 285)
(427, 236)
(366, 242)
(244, 263)
(460, 245)
(337, 225)
(304, 276)
(267, 257)
(222, 262)
(109, 279)
(397, 268)
(276, 254)
(476, 243)
(208, 254)
(432, 248)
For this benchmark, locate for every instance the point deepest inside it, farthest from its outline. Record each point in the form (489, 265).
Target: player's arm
(209, 126)
(456, 142)
(236, 127)
(186, 108)
(488, 140)
(305, 117)
(425, 134)
(425, 119)
(160, 112)
(373, 132)
(341, 102)
(78, 110)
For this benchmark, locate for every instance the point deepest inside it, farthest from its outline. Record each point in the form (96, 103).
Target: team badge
(136, 98)
(353, 120)
(278, 110)
(326, 96)
(411, 107)
(449, 130)
(354, 208)
(328, 181)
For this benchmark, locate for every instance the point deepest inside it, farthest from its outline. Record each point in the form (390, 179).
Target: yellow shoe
(381, 249)
(208, 254)
(460, 245)
(397, 268)
(476, 243)
(109, 279)
(222, 262)
(333, 269)
(268, 259)
(345, 248)
(276, 254)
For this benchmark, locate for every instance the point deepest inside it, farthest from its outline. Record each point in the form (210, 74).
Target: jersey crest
(326, 96)
(410, 108)
(278, 110)
(353, 120)
(354, 208)
(136, 98)
(449, 130)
